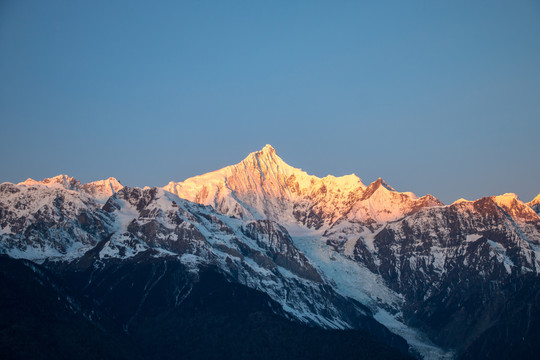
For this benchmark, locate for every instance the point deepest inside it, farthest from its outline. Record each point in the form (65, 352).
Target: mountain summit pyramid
(264, 186)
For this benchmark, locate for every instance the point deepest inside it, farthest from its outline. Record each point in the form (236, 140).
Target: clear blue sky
(439, 97)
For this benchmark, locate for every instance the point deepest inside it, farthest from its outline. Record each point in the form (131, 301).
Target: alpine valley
(260, 260)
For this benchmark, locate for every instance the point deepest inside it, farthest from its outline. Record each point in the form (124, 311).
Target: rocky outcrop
(276, 241)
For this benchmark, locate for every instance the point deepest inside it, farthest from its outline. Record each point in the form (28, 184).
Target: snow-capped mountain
(101, 189)
(40, 220)
(264, 186)
(331, 252)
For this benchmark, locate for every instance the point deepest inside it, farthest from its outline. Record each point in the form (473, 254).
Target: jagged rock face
(274, 238)
(450, 262)
(39, 221)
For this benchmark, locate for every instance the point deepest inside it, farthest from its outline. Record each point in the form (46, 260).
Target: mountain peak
(268, 149)
(381, 182)
(535, 201)
(376, 185)
(99, 189)
(267, 152)
(103, 188)
(266, 162)
(63, 180)
(264, 186)
(506, 198)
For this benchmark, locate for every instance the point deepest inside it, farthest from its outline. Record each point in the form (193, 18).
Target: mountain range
(262, 260)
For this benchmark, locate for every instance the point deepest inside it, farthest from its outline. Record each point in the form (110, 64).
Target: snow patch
(419, 342)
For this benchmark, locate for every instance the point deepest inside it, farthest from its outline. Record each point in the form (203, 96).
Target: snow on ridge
(534, 201)
(259, 166)
(100, 189)
(103, 188)
(505, 199)
(264, 186)
(62, 180)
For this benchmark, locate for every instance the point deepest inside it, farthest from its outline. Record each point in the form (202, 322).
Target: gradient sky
(439, 97)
